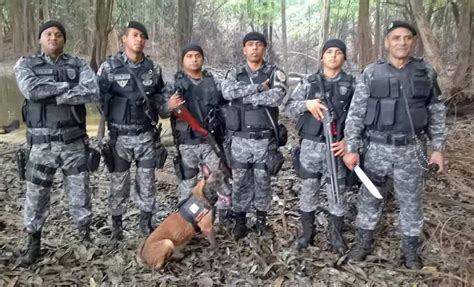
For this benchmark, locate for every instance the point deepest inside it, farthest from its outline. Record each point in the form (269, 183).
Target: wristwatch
(260, 88)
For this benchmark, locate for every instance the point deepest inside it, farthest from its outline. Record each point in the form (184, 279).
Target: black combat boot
(261, 223)
(335, 234)
(85, 234)
(117, 229)
(307, 234)
(33, 250)
(363, 245)
(145, 223)
(240, 228)
(410, 252)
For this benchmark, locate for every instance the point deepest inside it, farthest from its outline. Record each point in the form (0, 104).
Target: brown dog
(176, 231)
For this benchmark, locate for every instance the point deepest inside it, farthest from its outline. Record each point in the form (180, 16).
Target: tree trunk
(103, 20)
(185, 24)
(283, 35)
(464, 57)
(326, 18)
(364, 35)
(377, 38)
(430, 45)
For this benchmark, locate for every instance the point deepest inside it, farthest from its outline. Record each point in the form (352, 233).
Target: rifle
(330, 133)
(183, 113)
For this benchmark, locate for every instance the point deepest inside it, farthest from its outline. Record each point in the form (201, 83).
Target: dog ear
(206, 172)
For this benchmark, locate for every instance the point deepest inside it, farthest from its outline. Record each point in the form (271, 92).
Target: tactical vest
(200, 100)
(255, 118)
(386, 107)
(125, 103)
(340, 95)
(46, 113)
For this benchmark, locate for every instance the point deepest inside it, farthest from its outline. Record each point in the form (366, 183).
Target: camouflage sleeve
(233, 89)
(296, 105)
(85, 92)
(166, 94)
(105, 79)
(159, 99)
(354, 124)
(33, 87)
(437, 114)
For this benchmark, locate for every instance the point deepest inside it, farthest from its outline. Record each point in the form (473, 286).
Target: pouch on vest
(274, 162)
(232, 118)
(117, 110)
(372, 111)
(32, 114)
(387, 111)
(254, 119)
(380, 88)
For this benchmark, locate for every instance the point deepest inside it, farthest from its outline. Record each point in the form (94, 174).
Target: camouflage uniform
(400, 158)
(130, 130)
(312, 155)
(254, 139)
(193, 148)
(56, 139)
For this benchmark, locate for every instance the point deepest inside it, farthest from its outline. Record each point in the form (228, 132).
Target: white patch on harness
(194, 208)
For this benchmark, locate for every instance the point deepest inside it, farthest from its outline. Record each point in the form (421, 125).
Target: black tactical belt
(195, 141)
(254, 135)
(395, 140)
(66, 138)
(134, 132)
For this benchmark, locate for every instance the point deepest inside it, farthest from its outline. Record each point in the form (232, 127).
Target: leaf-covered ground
(272, 260)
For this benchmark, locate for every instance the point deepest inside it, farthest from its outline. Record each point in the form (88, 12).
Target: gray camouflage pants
(250, 185)
(43, 161)
(313, 159)
(381, 161)
(193, 156)
(133, 148)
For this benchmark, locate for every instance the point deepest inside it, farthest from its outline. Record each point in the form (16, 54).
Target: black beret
(138, 26)
(401, 24)
(254, 36)
(191, 47)
(334, 43)
(52, 23)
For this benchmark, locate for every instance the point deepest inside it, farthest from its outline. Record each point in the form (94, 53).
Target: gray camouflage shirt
(35, 88)
(233, 89)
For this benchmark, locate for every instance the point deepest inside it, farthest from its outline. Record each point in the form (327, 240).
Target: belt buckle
(399, 140)
(56, 138)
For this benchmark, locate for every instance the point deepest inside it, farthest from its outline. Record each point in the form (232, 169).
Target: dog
(176, 231)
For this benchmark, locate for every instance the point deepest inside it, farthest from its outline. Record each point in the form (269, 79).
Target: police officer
(396, 106)
(330, 87)
(200, 93)
(130, 85)
(255, 89)
(56, 86)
